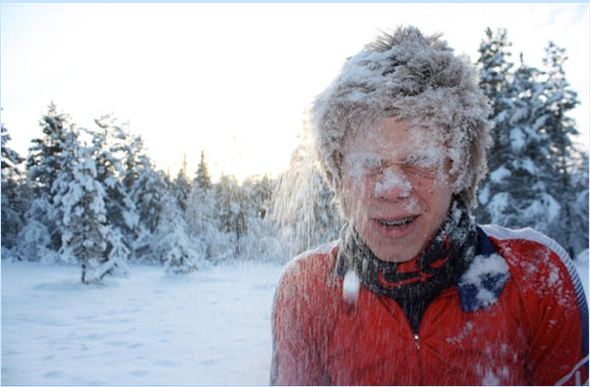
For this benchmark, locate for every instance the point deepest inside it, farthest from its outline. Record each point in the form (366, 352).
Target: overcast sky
(233, 79)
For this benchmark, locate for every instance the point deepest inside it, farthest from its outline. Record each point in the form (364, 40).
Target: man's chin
(394, 254)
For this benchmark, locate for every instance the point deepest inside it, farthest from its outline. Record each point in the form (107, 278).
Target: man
(414, 292)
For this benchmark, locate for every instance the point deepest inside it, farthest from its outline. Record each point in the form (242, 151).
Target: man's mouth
(397, 222)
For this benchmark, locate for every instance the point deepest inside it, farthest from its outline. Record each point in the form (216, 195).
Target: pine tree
(579, 207)
(10, 158)
(561, 129)
(86, 234)
(202, 219)
(133, 159)
(260, 241)
(173, 244)
(259, 194)
(44, 165)
(182, 187)
(495, 78)
(202, 178)
(521, 196)
(60, 191)
(231, 211)
(110, 147)
(147, 193)
(532, 160)
(12, 204)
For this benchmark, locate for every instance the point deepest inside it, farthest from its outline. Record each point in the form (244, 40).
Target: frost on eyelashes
(484, 276)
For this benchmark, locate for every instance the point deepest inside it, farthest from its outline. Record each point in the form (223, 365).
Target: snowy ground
(211, 327)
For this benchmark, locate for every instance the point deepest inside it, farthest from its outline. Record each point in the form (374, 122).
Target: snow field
(208, 327)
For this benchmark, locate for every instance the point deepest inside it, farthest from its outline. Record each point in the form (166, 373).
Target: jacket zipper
(416, 338)
(419, 365)
(416, 334)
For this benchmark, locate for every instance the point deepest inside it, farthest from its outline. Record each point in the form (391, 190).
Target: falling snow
(350, 287)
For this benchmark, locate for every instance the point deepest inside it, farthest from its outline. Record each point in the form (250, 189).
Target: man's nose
(392, 184)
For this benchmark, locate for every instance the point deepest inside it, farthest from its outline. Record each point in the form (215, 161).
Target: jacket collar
(485, 278)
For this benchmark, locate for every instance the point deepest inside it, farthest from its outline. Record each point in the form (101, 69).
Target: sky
(233, 80)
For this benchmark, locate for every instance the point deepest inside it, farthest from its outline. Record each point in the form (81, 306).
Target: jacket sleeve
(559, 339)
(296, 331)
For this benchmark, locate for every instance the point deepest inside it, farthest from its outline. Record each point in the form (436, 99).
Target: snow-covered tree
(10, 158)
(172, 242)
(561, 130)
(495, 78)
(12, 201)
(231, 213)
(110, 148)
(533, 157)
(260, 241)
(34, 243)
(148, 192)
(182, 187)
(202, 178)
(44, 163)
(133, 160)
(201, 219)
(85, 218)
(70, 159)
(517, 189)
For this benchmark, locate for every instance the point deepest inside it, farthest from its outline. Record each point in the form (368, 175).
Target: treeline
(94, 196)
(538, 177)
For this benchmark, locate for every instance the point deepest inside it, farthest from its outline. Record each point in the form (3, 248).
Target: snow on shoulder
(555, 276)
(528, 234)
(484, 279)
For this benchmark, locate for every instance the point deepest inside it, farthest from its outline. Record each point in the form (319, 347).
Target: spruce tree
(148, 193)
(61, 191)
(201, 219)
(85, 217)
(202, 179)
(44, 165)
(579, 207)
(521, 196)
(260, 242)
(110, 147)
(133, 159)
(182, 187)
(561, 130)
(172, 242)
(231, 211)
(12, 202)
(495, 78)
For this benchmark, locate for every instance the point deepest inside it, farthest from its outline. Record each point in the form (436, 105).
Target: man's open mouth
(398, 222)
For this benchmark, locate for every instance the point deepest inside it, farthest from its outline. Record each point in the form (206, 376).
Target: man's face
(396, 187)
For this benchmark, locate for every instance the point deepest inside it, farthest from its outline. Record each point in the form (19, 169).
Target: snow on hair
(411, 77)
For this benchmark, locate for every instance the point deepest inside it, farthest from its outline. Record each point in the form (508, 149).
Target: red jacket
(527, 327)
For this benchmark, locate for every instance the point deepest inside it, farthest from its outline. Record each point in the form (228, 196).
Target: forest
(93, 197)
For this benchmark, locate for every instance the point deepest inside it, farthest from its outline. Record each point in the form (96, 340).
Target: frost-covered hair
(411, 77)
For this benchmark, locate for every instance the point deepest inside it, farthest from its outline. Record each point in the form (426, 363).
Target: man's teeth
(397, 223)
